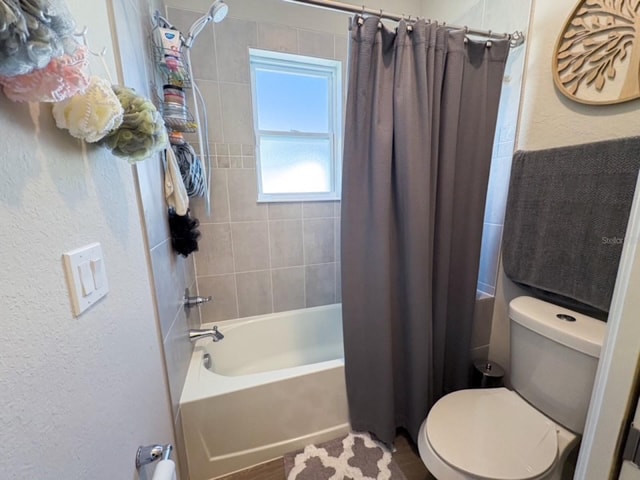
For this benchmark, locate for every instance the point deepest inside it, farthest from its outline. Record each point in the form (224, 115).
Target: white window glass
(292, 102)
(297, 111)
(295, 165)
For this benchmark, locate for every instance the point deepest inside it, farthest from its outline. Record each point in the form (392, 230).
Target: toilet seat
(490, 434)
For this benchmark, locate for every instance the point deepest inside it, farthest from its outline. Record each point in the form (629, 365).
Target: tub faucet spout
(197, 334)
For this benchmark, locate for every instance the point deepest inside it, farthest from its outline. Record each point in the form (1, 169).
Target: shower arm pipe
(515, 39)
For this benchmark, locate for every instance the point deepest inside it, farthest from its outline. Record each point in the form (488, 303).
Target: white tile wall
(503, 16)
(257, 258)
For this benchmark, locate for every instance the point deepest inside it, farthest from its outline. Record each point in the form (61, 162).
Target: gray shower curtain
(421, 116)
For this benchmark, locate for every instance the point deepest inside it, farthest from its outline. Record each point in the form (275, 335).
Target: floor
(406, 456)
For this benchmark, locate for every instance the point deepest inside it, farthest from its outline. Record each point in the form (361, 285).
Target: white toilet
(527, 433)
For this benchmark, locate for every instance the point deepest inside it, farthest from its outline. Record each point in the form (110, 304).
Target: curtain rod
(515, 39)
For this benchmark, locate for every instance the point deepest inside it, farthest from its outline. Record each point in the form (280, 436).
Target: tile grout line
(271, 220)
(266, 269)
(304, 259)
(233, 251)
(335, 257)
(270, 261)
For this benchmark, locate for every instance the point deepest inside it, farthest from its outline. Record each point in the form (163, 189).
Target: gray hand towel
(567, 214)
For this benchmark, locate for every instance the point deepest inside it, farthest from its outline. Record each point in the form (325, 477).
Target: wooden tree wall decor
(597, 56)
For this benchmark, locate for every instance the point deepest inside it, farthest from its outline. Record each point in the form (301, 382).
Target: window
(297, 112)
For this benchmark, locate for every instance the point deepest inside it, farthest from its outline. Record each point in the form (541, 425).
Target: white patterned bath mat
(354, 457)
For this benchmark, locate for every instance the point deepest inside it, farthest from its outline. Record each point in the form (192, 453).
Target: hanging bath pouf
(91, 115)
(62, 78)
(142, 132)
(31, 34)
(184, 233)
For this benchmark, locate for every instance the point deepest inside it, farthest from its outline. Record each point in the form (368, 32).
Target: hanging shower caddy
(175, 72)
(173, 61)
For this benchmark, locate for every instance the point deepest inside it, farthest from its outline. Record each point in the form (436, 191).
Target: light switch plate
(86, 276)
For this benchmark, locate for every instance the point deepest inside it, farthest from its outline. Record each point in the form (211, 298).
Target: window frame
(296, 64)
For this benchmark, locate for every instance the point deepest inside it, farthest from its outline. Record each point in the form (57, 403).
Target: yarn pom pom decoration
(31, 34)
(62, 78)
(142, 132)
(91, 115)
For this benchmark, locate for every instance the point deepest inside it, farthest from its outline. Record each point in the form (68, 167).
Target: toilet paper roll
(165, 470)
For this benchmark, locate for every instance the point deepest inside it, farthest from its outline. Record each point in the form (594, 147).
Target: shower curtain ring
(361, 16)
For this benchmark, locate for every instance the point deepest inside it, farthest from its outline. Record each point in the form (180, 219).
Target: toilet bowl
(526, 433)
(492, 434)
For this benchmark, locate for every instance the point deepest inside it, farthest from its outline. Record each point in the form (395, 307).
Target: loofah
(142, 132)
(184, 232)
(91, 115)
(31, 34)
(62, 78)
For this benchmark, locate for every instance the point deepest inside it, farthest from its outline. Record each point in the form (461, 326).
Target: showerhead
(217, 12)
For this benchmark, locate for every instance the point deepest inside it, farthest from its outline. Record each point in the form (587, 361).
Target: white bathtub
(276, 384)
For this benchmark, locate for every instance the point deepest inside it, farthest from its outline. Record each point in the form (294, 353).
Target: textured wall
(78, 395)
(547, 119)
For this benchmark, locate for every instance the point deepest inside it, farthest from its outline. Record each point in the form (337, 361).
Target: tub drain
(206, 361)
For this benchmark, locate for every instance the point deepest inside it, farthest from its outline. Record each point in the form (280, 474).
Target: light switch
(97, 270)
(86, 276)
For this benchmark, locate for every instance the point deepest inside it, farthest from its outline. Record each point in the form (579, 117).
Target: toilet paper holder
(151, 453)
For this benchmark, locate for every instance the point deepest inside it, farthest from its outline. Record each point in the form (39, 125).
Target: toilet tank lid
(585, 334)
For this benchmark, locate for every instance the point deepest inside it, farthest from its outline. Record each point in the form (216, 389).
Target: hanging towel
(190, 169)
(184, 229)
(566, 218)
(174, 189)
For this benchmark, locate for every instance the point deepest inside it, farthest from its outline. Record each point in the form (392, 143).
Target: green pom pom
(142, 132)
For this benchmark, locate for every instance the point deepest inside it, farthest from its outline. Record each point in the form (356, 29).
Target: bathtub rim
(201, 383)
(226, 325)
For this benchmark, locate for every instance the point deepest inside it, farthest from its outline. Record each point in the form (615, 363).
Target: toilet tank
(554, 356)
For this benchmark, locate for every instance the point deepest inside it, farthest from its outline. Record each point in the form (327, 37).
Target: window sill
(480, 295)
(310, 197)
